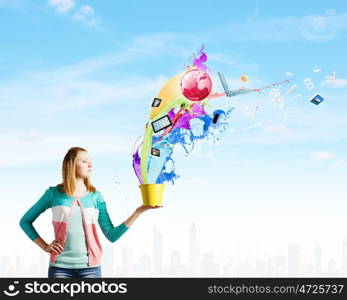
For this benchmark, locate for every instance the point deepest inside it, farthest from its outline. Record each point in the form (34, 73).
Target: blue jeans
(57, 272)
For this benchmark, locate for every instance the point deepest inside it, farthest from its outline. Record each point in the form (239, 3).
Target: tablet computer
(161, 123)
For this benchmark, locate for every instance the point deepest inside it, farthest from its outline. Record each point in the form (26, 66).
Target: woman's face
(83, 165)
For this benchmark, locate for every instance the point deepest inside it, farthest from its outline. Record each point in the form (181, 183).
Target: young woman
(77, 207)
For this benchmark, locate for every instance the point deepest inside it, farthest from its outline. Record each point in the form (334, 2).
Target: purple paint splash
(199, 62)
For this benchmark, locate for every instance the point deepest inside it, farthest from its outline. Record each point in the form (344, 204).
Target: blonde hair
(68, 185)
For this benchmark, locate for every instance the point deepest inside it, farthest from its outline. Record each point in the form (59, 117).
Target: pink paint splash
(199, 62)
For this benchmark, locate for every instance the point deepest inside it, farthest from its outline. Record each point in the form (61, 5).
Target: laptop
(224, 84)
(230, 93)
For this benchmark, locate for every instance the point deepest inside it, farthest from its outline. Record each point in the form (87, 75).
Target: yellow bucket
(152, 194)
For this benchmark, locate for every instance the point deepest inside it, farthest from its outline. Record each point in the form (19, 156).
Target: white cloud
(277, 128)
(73, 94)
(86, 15)
(341, 163)
(316, 28)
(73, 86)
(139, 48)
(335, 83)
(232, 61)
(22, 147)
(321, 155)
(86, 10)
(253, 126)
(62, 6)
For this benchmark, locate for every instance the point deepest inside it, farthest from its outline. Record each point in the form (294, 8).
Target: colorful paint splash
(180, 116)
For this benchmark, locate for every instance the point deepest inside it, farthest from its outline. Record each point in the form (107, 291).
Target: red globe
(196, 85)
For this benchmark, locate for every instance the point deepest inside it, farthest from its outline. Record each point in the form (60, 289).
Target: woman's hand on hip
(55, 246)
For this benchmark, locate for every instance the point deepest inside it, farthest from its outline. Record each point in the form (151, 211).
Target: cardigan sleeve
(26, 222)
(112, 233)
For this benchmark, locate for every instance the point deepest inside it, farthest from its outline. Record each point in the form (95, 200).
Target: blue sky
(84, 73)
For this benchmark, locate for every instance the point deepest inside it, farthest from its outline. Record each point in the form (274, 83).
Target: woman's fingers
(56, 249)
(61, 248)
(59, 245)
(53, 250)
